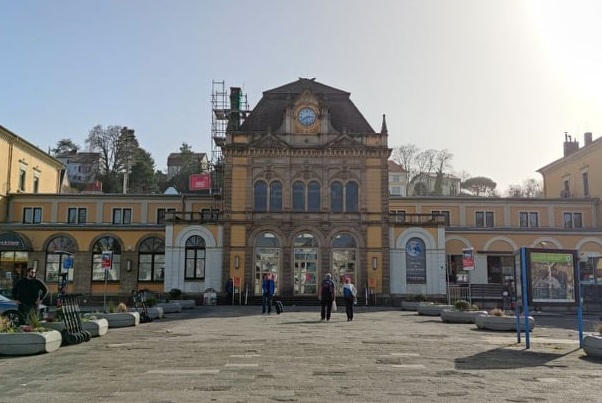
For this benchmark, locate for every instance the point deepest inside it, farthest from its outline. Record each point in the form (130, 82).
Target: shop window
(106, 246)
(151, 259)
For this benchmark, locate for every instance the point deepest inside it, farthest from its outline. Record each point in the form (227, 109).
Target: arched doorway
(305, 264)
(344, 260)
(267, 260)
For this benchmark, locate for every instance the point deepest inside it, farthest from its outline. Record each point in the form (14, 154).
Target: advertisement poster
(468, 259)
(415, 261)
(552, 276)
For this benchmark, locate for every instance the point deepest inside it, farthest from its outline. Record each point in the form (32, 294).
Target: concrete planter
(453, 316)
(502, 323)
(170, 307)
(155, 312)
(121, 319)
(592, 345)
(30, 343)
(186, 303)
(413, 305)
(432, 309)
(96, 327)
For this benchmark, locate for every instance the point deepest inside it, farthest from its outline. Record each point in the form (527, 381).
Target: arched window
(151, 259)
(313, 196)
(103, 245)
(58, 250)
(336, 197)
(305, 264)
(298, 196)
(261, 196)
(195, 258)
(351, 197)
(276, 196)
(344, 260)
(267, 259)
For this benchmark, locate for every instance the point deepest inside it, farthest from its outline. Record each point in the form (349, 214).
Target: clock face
(414, 248)
(306, 116)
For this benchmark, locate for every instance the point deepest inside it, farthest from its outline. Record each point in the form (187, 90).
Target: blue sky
(496, 83)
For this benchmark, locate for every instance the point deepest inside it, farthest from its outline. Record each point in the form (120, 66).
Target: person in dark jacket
(326, 296)
(267, 289)
(29, 292)
(230, 292)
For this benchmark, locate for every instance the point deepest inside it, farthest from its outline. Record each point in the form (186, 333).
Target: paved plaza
(235, 354)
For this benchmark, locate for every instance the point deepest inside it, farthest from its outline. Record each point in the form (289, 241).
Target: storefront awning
(10, 241)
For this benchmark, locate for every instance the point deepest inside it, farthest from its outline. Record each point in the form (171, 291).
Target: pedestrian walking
(326, 295)
(349, 294)
(267, 289)
(29, 293)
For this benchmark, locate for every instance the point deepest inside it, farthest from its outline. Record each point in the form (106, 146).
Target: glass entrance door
(305, 271)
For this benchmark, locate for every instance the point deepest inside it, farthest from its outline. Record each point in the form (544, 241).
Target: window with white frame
(32, 215)
(445, 213)
(400, 215)
(76, 215)
(484, 219)
(122, 216)
(573, 220)
(528, 219)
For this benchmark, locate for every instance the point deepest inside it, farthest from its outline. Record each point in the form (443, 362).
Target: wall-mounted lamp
(129, 265)
(374, 263)
(236, 262)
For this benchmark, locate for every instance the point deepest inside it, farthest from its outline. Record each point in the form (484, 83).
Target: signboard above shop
(9, 241)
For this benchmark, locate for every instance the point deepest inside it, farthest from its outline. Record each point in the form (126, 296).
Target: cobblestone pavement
(235, 354)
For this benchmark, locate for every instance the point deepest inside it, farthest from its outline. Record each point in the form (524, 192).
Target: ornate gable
(269, 141)
(344, 142)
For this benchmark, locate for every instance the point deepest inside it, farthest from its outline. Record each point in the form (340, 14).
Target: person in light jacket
(349, 294)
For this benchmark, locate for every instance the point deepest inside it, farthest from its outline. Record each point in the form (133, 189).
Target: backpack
(347, 293)
(327, 289)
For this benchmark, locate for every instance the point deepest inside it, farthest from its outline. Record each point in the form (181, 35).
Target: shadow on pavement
(505, 358)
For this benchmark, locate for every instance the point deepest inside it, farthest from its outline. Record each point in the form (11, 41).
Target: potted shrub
(434, 309)
(592, 343)
(462, 312)
(119, 316)
(28, 339)
(499, 320)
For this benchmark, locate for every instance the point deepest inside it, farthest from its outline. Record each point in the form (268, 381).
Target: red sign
(468, 259)
(106, 260)
(236, 281)
(199, 182)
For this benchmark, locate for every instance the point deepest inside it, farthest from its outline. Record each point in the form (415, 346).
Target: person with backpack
(349, 293)
(326, 295)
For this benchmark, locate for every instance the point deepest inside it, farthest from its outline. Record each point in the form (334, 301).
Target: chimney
(587, 138)
(234, 118)
(570, 146)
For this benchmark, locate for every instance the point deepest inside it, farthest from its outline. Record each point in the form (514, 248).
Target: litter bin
(210, 297)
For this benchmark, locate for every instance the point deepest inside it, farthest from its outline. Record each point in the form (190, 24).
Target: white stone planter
(170, 307)
(432, 309)
(413, 305)
(592, 345)
(29, 343)
(454, 316)
(156, 312)
(502, 323)
(121, 319)
(96, 327)
(186, 303)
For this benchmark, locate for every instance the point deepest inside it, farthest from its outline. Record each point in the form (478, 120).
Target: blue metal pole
(525, 297)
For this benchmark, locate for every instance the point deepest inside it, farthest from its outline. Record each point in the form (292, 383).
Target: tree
(420, 167)
(530, 188)
(64, 147)
(189, 164)
(479, 186)
(119, 150)
(142, 174)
